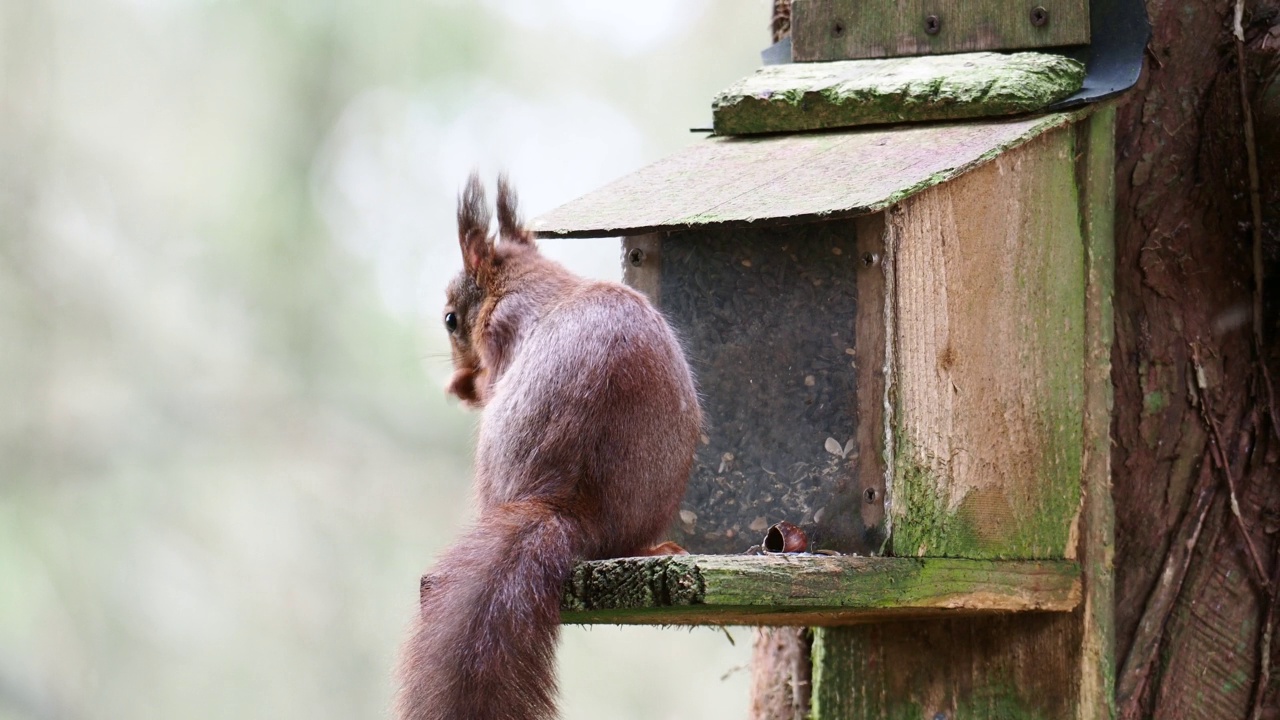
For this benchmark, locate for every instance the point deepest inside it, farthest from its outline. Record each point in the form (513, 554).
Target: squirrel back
(590, 419)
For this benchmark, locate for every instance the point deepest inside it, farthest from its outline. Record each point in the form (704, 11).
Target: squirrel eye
(451, 321)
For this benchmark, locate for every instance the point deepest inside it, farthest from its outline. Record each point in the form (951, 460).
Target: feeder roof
(727, 181)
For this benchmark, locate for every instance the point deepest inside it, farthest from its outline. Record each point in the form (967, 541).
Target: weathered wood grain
(1011, 666)
(810, 590)
(1095, 146)
(824, 30)
(989, 353)
(871, 366)
(784, 179)
(1026, 665)
(819, 96)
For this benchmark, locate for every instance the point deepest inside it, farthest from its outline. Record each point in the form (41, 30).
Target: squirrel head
(489, 266)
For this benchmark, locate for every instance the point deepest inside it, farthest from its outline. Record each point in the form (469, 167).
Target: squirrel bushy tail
(498, 592)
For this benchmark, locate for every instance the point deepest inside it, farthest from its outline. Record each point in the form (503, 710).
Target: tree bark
(1185, 361)
(780, 678)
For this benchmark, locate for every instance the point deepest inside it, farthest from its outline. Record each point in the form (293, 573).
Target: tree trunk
(1189, 387)
(781, 672)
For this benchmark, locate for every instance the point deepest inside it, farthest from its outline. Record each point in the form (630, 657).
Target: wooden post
(1096, 148)
(1049, 222)
(781, 673)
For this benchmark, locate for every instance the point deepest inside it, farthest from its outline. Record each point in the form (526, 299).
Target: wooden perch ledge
(810, 589)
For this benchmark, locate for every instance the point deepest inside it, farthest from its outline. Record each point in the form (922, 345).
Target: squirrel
(589, 423)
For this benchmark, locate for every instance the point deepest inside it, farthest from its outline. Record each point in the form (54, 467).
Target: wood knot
(946, 358)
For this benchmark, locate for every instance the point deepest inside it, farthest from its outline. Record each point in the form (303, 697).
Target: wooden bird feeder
(901, 336)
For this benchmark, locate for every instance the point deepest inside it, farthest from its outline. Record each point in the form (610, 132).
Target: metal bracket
(1113, 59)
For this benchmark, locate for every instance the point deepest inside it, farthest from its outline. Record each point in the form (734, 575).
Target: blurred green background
(225, 229)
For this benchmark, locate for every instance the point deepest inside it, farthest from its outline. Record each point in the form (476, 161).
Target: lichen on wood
(810, 589)
(752, 181)
(1095, 145)
(989, 360)
(1006, 666)
(814, 96)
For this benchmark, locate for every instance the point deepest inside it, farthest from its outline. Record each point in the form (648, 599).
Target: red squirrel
(589, 425)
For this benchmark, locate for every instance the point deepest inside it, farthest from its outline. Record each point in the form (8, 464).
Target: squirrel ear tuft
(473, 226)
(510, 228)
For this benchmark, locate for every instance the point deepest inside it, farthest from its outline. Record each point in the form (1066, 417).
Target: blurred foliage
(225, 225)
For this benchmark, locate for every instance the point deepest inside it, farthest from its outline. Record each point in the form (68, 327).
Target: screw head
(635, 256)
(870, 495)
(1039, 16)
(932, 24)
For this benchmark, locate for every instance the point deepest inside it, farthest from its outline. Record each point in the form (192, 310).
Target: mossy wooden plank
(823, 30)
(726, 181)
(819, 96)
(1095, 146)
(989, 360)
(809, 590)
(1012, 667)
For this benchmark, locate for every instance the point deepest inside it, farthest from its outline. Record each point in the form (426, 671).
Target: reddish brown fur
(590, 421)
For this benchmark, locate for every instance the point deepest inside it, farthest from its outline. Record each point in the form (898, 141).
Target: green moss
(1037, 512)
(1057, 334)
(1158, 380)
(1041, 522)
(926, 526)
(715, 588)
(1153, 402)
(1238, 679)
(848, 684)
(812, 96)
(998, 701)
